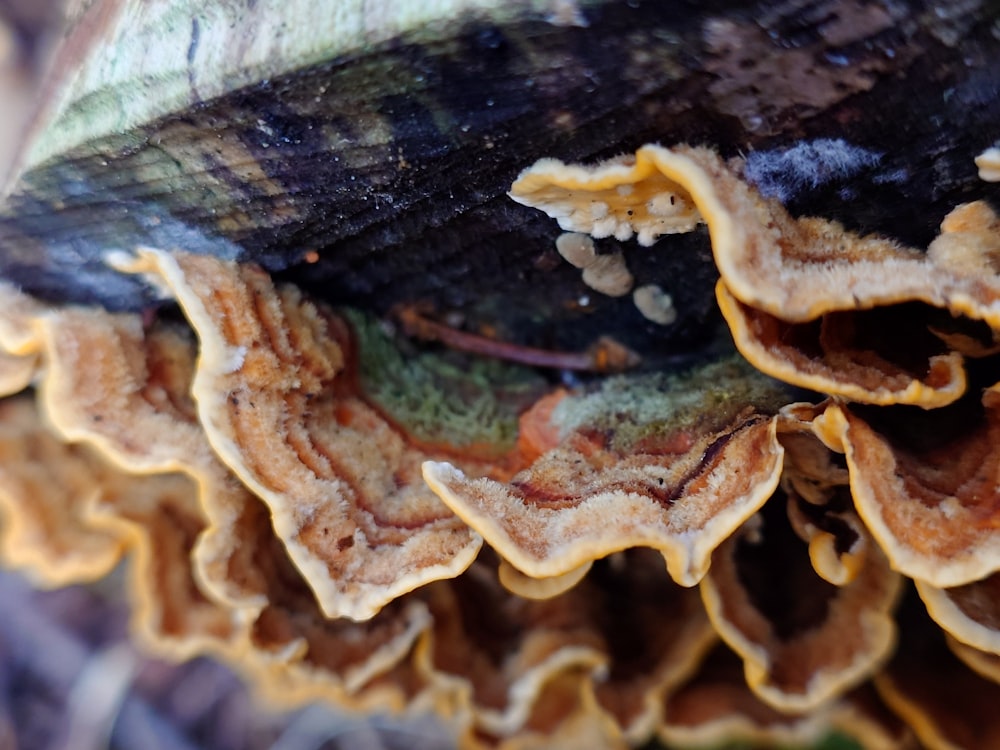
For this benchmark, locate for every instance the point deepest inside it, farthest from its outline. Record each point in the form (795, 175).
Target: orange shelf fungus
(565, 717)
(679, 480)
(111, 383)
(969, 613)
(18, 311)
(172, 615)
(19, 343)
(813, 467)
(499, 653)
(73, 515)
(607, 274)
(767, 259)
(946, 704)
(518, 583)
(716, 707)
(655, 304)
(495, 653)
(838, 541)
(620, 198)
(343, 487)
(926, 486)
(794, 291)
(827, 356)
(657, 641)
(299, 655)
(16, 373)
(306, 493)
(802, 640)
(984, 663)
(296, 656)
(139, 385)
(988, 163)
(820, 507)
(46, 491)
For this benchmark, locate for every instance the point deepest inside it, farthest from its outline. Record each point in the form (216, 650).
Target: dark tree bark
(390, 163)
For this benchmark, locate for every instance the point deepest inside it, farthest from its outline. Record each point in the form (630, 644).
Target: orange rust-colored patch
(537, 434)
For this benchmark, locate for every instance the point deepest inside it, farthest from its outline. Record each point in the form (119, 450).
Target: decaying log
(378, 142)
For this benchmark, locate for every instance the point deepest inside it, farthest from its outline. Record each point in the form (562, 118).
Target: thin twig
(605, 356)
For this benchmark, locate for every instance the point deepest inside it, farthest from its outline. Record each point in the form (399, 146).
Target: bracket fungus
(715, 706)
(810, 640)
(47, 490)
(342, 485)
(620, 198)
(324, 533)
(659, 470)
(356, 439)
(967, 613)
(964, 715)
(838, 541)
(926, 486)
(794, 291)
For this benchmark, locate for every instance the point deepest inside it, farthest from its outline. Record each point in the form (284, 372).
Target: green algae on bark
(439, 397)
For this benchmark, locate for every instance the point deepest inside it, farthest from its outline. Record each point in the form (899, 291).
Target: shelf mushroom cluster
(702, 557)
